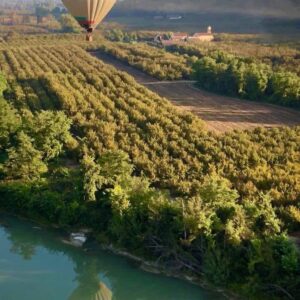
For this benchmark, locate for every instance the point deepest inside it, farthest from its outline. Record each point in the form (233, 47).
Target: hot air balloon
(89, 13)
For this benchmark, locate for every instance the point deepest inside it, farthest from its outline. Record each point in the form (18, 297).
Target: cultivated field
(166, 144)
(219, 112)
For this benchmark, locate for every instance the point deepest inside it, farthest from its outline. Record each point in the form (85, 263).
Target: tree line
(235, 76)
(278, 57)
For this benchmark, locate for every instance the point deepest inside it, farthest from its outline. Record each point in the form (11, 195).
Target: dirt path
(219, 112)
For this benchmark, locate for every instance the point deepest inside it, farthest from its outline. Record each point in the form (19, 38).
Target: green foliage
(69, 24)
(255, 81)
(50, 131)
(42, 10)
(92, 180)
(291, 217)
(285, 87)
(24, 161)
(3, 84)
(115, 167)
(112, 168)
(117, 35)
(29, 141)
(217, 263)
(216, 190)
(156, 62)
(10, 121)
(263, 216)
(270, 257)
(278, 57)
(40, 200)
(34, 140)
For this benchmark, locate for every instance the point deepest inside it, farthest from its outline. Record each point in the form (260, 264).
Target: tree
(50, 131)
(10, 121)
(42, 10)
(92, 180)
(24, 161)
(115, 167)
(110, 170)
(56, 12)
(233, 78)
(256, 81)
(69, 24)
(217, 192)
(265, 222)
(205, 72)
(3, 84)
(115, 35)
(284, 87)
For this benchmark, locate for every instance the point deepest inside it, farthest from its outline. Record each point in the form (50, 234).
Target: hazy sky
(290, 8)
(268, 7)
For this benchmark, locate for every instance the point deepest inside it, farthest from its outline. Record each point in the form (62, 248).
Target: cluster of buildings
(183, 37)
(15, 19)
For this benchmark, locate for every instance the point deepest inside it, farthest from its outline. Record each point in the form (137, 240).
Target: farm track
(220, 113)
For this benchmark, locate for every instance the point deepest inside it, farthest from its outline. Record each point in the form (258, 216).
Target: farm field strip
(154, 61)
(220, 113)
(216, 71)
(170, 146)
(134, 111)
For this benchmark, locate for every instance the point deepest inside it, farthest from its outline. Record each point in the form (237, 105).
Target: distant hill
(285, 8)
(239, 16)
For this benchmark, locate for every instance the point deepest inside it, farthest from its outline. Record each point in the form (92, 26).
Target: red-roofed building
(202, 36)
(179, 36)
(166, 43)
(182, 37)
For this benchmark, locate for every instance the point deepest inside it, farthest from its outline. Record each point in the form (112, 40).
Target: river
(35, 264)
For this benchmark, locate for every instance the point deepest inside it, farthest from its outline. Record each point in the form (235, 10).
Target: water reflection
(27, 238)
(89, 286)
(98, 275)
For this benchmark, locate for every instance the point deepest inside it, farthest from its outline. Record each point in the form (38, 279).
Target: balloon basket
(89, 38)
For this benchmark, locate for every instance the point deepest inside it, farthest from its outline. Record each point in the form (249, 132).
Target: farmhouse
(179, 36)
(202, 36)
(183, 37)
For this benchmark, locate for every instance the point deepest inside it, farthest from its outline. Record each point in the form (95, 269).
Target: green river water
(35, 264)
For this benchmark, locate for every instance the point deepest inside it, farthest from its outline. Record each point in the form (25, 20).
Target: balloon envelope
(89, 13)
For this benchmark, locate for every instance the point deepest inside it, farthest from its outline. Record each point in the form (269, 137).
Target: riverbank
(95, 244)
(35, 264)
(35, 202)
(154, 268)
